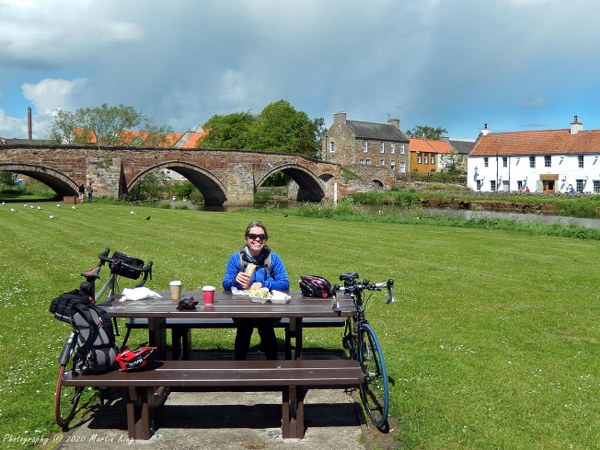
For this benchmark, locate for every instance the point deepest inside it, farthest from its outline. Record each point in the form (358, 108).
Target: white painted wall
(518, 170)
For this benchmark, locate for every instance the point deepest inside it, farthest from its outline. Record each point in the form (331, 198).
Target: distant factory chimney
(29, 126)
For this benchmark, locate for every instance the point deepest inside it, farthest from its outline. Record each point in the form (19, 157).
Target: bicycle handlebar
(351, 286)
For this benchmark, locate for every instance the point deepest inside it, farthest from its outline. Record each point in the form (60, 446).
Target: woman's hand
(242, 278)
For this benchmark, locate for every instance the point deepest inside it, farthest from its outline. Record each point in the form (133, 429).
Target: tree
(106, 125)
(278, 128)
(426, 132)
(227, 131)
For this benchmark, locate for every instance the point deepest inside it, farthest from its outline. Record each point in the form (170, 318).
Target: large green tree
(106, 125)
(426, 132)
(227, 131)
(278, 128)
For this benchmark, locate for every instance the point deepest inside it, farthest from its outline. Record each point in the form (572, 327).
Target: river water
(465, 214)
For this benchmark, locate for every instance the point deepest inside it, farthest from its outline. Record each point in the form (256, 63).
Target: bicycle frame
(65, 414)
(361, 342)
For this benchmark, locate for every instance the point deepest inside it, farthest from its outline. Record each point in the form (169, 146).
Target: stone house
(356, 143)
(550, 161)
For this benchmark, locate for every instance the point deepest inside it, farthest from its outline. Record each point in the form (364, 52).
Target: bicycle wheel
(374, 392)
(66, 400)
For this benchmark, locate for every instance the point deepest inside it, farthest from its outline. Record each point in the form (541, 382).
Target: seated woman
(270, 273)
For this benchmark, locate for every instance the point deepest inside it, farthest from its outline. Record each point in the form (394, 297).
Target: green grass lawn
(493, 342)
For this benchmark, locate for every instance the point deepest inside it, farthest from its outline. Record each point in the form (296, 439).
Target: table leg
(157, 335)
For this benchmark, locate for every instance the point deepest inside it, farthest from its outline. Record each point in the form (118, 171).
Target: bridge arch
(310, 188)
(209, 186)
(60, 183)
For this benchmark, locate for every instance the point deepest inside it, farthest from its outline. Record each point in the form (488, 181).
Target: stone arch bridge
(224, 177)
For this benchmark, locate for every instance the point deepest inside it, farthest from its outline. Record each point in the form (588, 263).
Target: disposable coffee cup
(175, 290)
(208, 293)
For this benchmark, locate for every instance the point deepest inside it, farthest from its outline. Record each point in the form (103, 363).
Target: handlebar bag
(126, 266)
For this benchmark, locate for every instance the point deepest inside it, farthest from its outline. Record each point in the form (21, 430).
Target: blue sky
(457, 64)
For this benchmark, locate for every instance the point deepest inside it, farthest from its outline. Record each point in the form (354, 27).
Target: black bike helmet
(138, 359)
(315, 286)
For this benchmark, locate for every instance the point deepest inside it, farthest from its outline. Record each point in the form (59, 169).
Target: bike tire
(374, 392)
(69, 401)
(66, 401)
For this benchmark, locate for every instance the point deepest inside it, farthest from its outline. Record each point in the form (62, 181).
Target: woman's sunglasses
(253, 236)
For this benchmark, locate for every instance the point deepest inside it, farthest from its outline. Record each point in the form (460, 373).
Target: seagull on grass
(51, 216)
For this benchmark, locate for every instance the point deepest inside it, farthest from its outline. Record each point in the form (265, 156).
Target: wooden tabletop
(227, 304)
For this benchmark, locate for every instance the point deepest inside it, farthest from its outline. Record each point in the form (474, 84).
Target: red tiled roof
(549, 142)
(430, 146)
(187, 139)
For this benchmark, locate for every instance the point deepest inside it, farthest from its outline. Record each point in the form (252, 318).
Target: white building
(551, 161)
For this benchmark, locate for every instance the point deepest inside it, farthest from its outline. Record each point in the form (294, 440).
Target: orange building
(427, 155)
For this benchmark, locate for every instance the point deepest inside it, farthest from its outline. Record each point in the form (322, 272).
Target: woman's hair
(259, 224)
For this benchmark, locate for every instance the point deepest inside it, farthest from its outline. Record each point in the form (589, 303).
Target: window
(493, 185)
(368, 162)
(547, 161)
(596, 186)
(579, 186)
(392, 148)
(426, 159)
(402, 149)
(532, 162)
(393, 165)
(402, 167)
(382, 162)
(580, 161)
(432, 159)
(366, 146)
(519, 185)
(504, 161)
(382, 147)
(418, 157)
(332, 147)
(362, 161)
(486, 162)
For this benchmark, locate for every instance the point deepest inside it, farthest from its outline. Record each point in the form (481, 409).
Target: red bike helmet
(138, 359)
(315, 286)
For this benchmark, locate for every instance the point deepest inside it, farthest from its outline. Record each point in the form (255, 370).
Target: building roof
(430, 146)
(185, 139)
(549, 142)
(462, 147)
(372, 130)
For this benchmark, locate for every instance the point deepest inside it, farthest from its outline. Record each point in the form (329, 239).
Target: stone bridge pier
(224, 177)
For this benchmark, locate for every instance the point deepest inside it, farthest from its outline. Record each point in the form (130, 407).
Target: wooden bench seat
(148, 390)
(181, 337)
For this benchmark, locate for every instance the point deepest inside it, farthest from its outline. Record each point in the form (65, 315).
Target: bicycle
(361, 342)
(67, 399)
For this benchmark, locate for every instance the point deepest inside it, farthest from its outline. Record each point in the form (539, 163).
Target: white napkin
(138, 294)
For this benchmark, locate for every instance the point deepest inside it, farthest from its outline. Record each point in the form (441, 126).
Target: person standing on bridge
(90, 192)
(270, 273)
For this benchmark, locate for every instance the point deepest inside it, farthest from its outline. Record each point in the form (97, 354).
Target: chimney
(395, 122)
(29, 127)
(485, 130)
(576, 126)
(339, 118)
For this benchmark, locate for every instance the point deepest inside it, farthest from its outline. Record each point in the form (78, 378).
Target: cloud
(50, 94)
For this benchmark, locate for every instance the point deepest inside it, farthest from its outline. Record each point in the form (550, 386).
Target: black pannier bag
(61, 306)
(117, 265)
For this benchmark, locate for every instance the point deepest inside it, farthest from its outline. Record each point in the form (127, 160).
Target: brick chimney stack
(339, 117)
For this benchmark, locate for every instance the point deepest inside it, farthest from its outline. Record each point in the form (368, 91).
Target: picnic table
(157, 313)
(294, 376)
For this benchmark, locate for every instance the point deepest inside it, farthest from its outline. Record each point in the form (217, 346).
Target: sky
(515, 65)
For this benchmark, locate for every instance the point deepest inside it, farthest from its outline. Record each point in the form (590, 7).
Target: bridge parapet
(223, 176)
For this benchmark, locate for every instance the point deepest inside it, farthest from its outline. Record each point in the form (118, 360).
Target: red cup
(208, 294)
